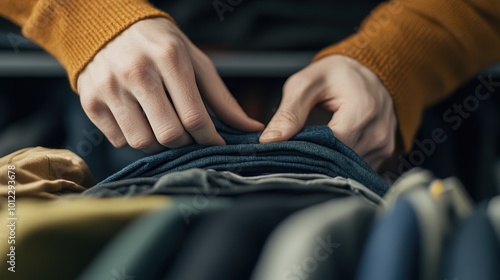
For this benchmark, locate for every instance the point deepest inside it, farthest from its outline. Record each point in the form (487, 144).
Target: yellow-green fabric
(58, 239)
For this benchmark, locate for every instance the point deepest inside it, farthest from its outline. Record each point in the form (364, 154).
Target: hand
(124, 89)
(363, 113)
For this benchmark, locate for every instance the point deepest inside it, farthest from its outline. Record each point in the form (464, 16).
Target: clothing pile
(308, 208)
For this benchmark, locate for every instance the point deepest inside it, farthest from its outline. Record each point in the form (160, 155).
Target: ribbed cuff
(75, 30)
(417, 58)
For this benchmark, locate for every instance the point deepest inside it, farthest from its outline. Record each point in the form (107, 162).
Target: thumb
(287, 121)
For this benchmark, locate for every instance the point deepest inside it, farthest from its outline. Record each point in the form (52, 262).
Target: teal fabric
(145, 248)
(474, 249)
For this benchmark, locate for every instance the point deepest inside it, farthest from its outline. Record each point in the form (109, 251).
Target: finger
(380, 133)
(381, 149)
(377, 157)
(104, 120)
(289, 118)
(97, 111)
(133, 123)
(374, 161)
(164, 122)
(178, 76)
(218, 96)
(374, 139)
(345, 125)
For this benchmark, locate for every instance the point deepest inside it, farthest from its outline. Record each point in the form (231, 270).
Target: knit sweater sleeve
(73, 31)
(423, 49)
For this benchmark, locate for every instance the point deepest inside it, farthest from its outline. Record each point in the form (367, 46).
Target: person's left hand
(363, 118)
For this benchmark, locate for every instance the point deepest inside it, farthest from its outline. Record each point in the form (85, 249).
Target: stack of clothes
(308, 208)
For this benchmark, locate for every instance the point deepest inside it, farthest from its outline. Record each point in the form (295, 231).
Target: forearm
(75, 30)
(423, 49)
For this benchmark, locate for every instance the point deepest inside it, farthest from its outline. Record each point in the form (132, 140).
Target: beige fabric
(44, 173)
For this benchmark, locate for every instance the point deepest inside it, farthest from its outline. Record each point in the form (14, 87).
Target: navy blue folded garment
(392, 250)
(474, 249)
(313, 150)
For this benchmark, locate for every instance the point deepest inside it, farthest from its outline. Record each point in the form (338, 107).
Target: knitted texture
(74, 31)
(423, 49)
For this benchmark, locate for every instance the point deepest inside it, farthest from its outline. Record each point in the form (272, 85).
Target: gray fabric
(194, 181)
(320, 242)
(456, 196)
(434, 227)
(438, 214)
(414, 178)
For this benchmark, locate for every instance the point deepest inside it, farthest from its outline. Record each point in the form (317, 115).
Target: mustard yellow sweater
(421, 49)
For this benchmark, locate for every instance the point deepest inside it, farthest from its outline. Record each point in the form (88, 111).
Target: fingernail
(261, 125)
(271, 134)
(257, 122)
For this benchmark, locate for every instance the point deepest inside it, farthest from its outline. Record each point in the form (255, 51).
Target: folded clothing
(218, 209)
(313, 150)
(197, 181)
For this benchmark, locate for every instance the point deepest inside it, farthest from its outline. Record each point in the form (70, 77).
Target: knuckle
(380, 140)
(194, 121)
(297, 84)
(287, 116)
(171, 52)
(139, 72)
(91, 102)
(294, 84)
(106, 83)
(140, 142)
(170, 136)
(118, 143)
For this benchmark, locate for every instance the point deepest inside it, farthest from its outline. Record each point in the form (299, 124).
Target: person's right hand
(143, 88)
(363, 113)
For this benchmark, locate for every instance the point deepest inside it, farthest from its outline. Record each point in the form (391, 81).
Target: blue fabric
(313, 150)
(392, 250)
(474, 250)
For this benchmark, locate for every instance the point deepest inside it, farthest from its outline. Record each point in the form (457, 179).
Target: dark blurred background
(255, 45)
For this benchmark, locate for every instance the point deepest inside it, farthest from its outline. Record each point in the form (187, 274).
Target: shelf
(242, 64)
